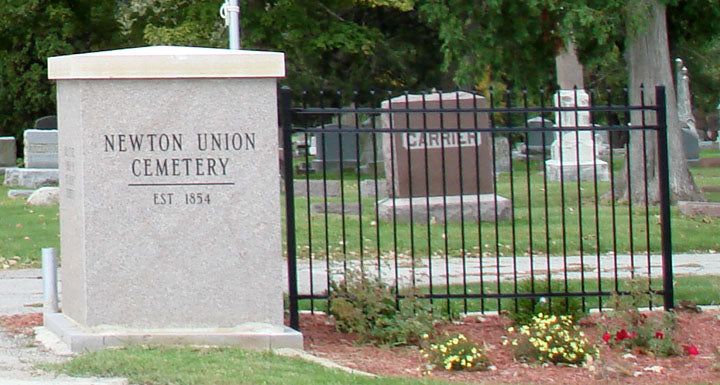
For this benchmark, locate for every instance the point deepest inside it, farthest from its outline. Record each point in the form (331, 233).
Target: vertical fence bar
(645, 199)
(545, 190)
(308, 214)
(427, 198)
(343, 219)
(394, 197)
(611, 167)
(286, 116)
(511, 176)
(361, 241)
(462, 209)
(493, 132)
(443, 169)
(375, 204)
(664, 189)
(597, 198)
(628, 170)
(323, 135)
(530, 249)
(479, 204)
(578, 170)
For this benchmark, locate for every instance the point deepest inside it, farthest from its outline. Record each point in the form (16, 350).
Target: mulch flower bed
(696, 333)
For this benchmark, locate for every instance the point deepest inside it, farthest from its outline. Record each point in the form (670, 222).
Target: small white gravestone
(170, 201)
(40, 148)
(573, 153)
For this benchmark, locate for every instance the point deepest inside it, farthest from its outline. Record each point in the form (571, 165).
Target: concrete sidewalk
(21, 290)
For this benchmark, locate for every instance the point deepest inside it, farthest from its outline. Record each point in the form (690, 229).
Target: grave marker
(453, 152)
(41, 148)
(573, 153)
(423, 167)
(8, 152)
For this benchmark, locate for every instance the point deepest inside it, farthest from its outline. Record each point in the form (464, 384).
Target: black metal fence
(475, 203)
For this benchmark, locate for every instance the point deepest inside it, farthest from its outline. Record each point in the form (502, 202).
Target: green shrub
(527, 308)
(367, 306)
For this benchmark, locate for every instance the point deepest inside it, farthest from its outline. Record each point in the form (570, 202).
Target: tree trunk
(648, 57)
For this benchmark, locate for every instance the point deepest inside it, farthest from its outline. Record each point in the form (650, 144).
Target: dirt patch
(614, 366)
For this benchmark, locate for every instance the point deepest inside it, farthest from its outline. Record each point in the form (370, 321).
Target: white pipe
(49, 274)
(233, 16)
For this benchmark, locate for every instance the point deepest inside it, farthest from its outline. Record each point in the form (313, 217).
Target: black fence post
(286, 123)
(664, 190)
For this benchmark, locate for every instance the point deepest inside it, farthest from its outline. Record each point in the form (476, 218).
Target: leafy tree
(329, 44)
(172, 22)
(500, 41)
(516, 42)
(30, 32)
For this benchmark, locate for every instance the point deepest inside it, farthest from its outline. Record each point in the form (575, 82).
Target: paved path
(21, 290)
(506, 268)
(21, 293)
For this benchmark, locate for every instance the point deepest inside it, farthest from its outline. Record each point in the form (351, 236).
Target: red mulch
(21, 323)
(701, 330)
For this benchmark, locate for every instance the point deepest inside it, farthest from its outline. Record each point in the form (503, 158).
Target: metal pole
(230, 12)
(285, 116)
(49, 274)
(234, 31)
(664, 189)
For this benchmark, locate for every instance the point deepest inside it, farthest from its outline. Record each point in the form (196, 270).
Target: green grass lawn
(25, 230)
(210, 366)
(578, 226)
(574, 223)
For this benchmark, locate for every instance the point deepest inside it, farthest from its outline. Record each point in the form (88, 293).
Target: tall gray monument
(170, 209)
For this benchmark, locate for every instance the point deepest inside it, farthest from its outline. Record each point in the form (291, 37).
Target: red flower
(659, 335)
(623, 334)
(691, 350)
(606, 337)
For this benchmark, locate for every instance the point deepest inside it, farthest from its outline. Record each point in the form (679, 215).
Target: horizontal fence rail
(476, 203)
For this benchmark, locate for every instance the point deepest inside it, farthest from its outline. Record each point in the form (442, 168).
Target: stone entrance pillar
(170, 202)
